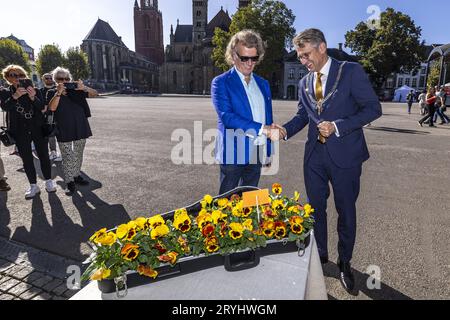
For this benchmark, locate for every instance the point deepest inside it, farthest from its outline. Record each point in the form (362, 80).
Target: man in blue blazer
(337, 100)
(244, 107)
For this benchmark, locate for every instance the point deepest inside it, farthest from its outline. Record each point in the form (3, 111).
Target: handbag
(5, 134)
(50, 129)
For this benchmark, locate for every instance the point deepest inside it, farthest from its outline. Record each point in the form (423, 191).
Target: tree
(273, 20)
(77, 62)
(12, 53)
(392, 47)
(50, 57)
(434, 74)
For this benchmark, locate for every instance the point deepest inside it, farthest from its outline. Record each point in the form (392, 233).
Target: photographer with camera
(68, 102)
(24, 105)
(49, 84)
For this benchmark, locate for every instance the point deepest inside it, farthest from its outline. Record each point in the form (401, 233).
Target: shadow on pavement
(386, 292)
(56, 232)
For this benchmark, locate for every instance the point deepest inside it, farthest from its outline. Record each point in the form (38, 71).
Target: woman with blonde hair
(24, 105)
(68, 102)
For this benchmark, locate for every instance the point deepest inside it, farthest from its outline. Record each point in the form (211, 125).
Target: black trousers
(430, 115)
(23, 143)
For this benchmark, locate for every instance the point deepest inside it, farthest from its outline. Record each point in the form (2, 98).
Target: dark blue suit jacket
(234, 112)
(354, 105)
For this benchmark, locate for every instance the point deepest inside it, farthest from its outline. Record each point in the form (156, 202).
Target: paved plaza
(403, 208)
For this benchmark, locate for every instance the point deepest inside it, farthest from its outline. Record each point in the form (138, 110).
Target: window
(389, 83)
(174, 78)
(422, 82)
(199, 13)
(400, 82)
(199, 24)
(424, 70)
(414, 83)
(291, 73)
(407, 81)
(146, 22)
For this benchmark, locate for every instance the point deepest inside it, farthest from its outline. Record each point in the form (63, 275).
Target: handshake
(275, 132)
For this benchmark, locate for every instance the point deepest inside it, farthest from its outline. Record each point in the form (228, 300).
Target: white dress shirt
(257, 105)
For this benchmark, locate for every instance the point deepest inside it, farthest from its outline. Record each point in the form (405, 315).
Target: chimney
(340, 46)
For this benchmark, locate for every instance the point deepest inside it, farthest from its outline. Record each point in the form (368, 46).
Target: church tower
(199, 25)
(148, 30)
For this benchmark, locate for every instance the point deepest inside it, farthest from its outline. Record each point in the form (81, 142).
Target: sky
(67, 23)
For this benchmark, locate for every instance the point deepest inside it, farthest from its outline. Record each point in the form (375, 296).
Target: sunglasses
(48, 78)
(16, 75)
(245, 59)
(62, 79)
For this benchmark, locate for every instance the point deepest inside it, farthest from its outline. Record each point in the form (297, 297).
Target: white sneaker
(55, 157)
(50, 186)
(32, 191)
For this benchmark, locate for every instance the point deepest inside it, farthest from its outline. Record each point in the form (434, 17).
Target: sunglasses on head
(62, 79)
(245, 59)
(16, 75)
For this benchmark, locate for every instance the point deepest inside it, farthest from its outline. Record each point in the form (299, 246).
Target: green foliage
(77, 62)
(273, 20)
(50, 57)
(12, 53)
(434, 73)
(393, 47)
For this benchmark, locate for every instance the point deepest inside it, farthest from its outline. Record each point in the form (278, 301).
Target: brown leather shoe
(4, 186)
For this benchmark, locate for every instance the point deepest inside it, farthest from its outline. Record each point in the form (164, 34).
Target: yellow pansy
(159, 231)
(203, 219)
(122, 231)
(296, 196)
(208, 199)
(248, 224)
(107, 240)
(156, 221)
(278, 205)
(277, 188)
(100, 274)
(308, 210)
(218, 216)
(147, 271)
(97, 235)
(140, 223)
(222, 203)
(182, 222)
(237, 230)
(130, 252)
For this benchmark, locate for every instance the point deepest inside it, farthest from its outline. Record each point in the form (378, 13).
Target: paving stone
(33, 276)
(42, 296)
(31, 293)
(5, 286)
(52, 285)
(60, 289)
(70, 293)
(6, 297)
(19, 289)
(14, 270)
(4, 278)
(22, 274)
(42, 281)
(5, 265)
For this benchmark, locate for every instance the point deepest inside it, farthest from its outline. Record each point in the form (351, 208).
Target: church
(114, 66)
(188, 67)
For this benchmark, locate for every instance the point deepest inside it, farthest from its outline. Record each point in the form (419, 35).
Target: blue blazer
(233, 110)
(353, 105)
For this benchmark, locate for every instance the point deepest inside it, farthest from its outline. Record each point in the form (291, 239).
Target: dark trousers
(233, 176)
(319, 172)
(430, 115)
(23, 143)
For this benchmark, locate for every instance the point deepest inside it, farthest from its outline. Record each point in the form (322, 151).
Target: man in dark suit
(337, 101)
(244, 108)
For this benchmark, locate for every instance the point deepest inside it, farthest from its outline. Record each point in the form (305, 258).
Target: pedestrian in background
(49, 84)
(410, 99)
(423, 102)
(68, 102)
(430, 100)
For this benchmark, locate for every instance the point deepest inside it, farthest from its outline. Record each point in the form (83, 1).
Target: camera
(25, 83)
(71, 85)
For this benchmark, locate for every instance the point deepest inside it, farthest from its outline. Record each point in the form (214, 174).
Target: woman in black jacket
(24, 106)
(68, 101)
